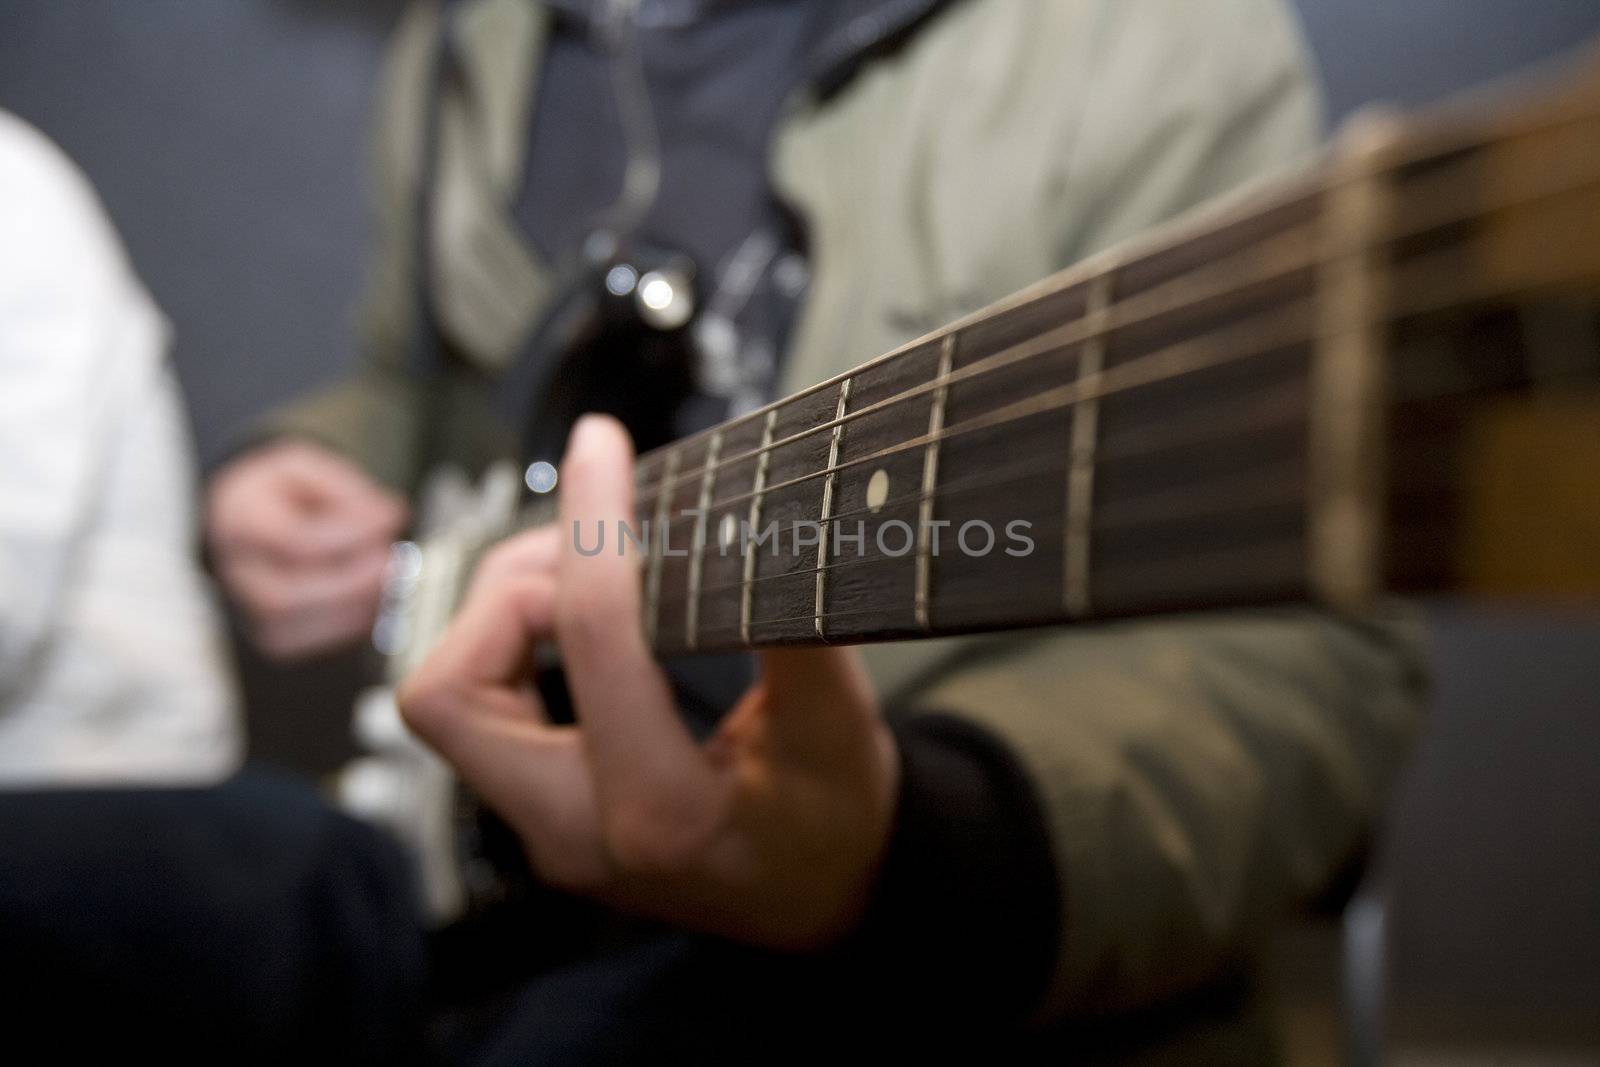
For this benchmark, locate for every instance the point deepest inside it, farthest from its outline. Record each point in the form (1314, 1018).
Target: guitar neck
(1213, 416)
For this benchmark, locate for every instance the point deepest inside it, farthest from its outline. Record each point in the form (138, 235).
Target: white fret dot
(877, 490)
(727, 530)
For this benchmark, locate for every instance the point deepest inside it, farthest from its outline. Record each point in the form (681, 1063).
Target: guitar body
(398, 782)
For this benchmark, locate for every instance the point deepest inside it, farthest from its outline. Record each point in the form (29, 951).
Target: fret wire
(755, 523)
(1064, 336)
(697, 559)
(930, 477)
(658, 537)
(828, 482)
(1080, 464)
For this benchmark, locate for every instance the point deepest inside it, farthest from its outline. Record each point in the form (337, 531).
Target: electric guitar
(1375, 378)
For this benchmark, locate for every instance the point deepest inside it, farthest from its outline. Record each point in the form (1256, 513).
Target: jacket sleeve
(1197, 777)
(374, 415)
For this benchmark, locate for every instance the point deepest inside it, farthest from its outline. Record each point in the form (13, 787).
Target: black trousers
(250, 923)
(246, 921)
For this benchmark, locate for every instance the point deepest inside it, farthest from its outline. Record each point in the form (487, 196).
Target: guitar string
(1056, 339)
(1053, 341)
(1429, 299)
(1252, 555)
(1424, 297)
(1170, 515)
(1060, 463)
(1250, 414)
(1164, 365)
(1162, 509)
(1451, 135)
(1285, 253)
(1283, 413)
(1269, 407)
(1428, 281)
(1171, 507)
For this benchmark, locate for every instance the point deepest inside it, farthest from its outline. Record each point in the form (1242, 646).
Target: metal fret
(1085, 434)
(828, 484)
(658, 544)
(697, 557)
(1347, 376)
(757, 491)
(930, 480)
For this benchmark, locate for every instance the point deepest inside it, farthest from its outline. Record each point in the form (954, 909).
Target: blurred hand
(770, 833)
(300, 536)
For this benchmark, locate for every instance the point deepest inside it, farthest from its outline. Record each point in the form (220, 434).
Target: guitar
(1373, 378)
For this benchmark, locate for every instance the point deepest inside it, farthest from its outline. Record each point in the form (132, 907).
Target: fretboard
(1236, 410)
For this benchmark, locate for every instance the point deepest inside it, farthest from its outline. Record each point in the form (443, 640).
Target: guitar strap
(523, 392)
(426, 355)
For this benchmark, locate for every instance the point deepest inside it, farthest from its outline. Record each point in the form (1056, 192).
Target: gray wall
(227, 137)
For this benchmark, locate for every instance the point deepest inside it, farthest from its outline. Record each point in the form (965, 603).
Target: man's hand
(770, 833)
(300, 537)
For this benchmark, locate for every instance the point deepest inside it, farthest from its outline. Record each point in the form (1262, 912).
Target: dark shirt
(688, 92)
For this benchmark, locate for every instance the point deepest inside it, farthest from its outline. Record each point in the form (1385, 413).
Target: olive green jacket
(1201, 775)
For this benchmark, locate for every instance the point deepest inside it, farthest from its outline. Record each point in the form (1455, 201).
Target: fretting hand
(770, 833)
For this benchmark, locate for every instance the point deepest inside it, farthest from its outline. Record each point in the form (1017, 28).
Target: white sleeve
(60, 302)
(111, 660)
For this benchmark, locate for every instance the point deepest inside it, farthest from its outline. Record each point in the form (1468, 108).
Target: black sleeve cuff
(965, 915)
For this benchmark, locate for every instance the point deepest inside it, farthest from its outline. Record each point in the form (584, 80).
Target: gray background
(227, 140)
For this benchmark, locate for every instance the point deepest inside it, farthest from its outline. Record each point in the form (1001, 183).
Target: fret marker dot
(877, 490)
(540, 477)
(727, 530)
